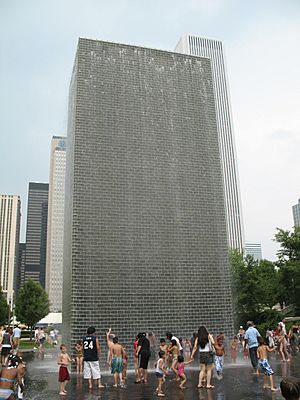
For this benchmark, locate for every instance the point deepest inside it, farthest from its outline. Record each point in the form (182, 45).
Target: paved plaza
(238, 383)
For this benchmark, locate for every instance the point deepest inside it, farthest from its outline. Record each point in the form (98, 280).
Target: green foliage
(3, 309)
(255, 287)
(289, 267)
(32, 303)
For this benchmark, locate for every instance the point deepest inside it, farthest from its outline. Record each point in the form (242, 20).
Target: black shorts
(5, 351)
(144, 359)
(206, 357)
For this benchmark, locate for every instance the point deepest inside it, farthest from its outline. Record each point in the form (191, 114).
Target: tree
(255, 288)
(32, 303)
(3, 309)
(289, 266)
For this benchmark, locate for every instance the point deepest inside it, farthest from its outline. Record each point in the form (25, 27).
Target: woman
(205, 342)
(282, 344)
(6, 346)
(143, 352)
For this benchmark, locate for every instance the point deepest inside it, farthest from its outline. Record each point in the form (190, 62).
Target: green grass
(27, 344)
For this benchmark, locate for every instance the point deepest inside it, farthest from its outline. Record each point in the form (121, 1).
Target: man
(251, 340)
(16, 337)
(91, 356)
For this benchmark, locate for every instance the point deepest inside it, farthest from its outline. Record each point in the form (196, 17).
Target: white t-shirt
(17, 333)
(177, 341)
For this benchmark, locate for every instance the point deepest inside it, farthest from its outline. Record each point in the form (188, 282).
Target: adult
(16, 336)
(171, 337)
(91, 357)
(143, 352)
(251, 336)
(282, 342)
(6, 346)
(294, 336)
(9, 376)
(205, 342)
(152, 340)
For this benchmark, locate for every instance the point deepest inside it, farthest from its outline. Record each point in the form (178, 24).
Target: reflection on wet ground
(238, 384)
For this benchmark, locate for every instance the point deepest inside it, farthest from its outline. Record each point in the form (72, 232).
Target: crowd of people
(174, 354)
(171, 355)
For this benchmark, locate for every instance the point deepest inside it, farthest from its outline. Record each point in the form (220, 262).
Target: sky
(38, 40)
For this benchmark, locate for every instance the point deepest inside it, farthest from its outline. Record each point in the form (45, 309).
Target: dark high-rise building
(145, 228)
(36, 232)
(21, 266)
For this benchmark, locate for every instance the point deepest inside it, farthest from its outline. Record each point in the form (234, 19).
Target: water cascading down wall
(145, 244)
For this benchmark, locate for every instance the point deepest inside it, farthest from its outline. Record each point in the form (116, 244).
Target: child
(174, 352)
(233, 348)
(63, 375)
(116, 362)
(125, 358)
(179, 367)
(165, 348)
(290, 388)
(264, 364)
(79, 356)
(160, 372)
(136, 358)
(219, 357)
(187, 349)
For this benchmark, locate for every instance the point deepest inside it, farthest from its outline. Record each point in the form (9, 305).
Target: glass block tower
(213, 49)
(145, 226)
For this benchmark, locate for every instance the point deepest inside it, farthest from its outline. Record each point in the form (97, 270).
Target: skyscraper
(55, 230)
(213, 49)
(145, 228)
(21, 266)
(10, 216)
(254, 250)
(36, 232)
(296, 214)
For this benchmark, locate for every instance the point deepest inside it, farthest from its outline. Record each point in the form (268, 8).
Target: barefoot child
(180, 370)
(174, 352)
(262, 351)
(160, 372)
(219, 356)
(79, 356)
(63, 375)
(165, 348)
(233, 349)
(116, 361)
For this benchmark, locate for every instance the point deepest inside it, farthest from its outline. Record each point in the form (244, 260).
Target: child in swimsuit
(79, 356)
(233, 348)
(174, 352)
(262, 351)
(180, 370)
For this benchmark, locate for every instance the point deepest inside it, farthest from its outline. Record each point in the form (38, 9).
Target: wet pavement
(238, 383)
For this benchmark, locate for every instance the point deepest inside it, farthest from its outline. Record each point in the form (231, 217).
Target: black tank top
(90, 348)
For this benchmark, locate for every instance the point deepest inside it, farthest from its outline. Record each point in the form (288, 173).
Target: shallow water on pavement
(238, 383)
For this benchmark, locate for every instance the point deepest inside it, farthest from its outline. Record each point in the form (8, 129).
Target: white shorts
(91, 369)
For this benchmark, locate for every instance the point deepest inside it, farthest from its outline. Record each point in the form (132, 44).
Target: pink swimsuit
(180, 369)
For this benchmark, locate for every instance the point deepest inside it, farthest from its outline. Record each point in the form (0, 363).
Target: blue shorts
(265, 366)
(159, 375)
(5, 394)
